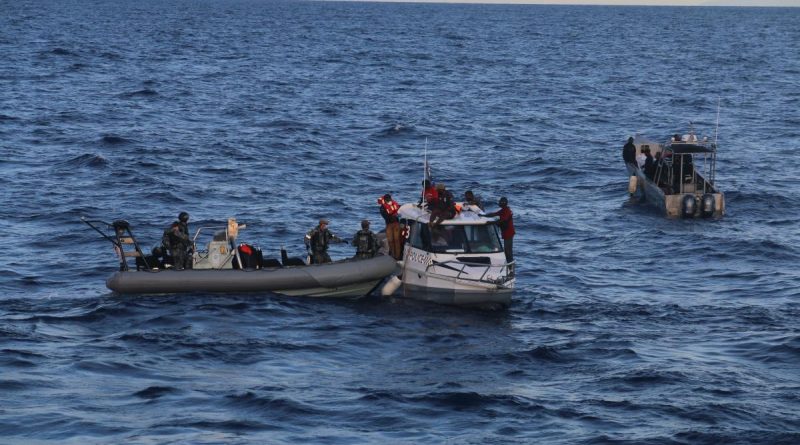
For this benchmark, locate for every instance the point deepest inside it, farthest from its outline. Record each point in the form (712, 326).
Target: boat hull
(671, 205)
(342, 279)
(498, 298)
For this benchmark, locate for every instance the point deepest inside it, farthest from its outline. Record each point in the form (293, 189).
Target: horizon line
(668, 3)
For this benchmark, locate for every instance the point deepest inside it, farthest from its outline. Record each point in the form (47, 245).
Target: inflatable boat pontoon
(224, 267)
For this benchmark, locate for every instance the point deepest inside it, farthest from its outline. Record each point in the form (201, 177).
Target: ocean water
(626, 327)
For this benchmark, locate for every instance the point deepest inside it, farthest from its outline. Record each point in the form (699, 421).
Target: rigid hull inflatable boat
(346, 279)
(458, 262)
(224, 267)
(683, 185)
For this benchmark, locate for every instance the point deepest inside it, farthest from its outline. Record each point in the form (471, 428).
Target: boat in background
(683, 185)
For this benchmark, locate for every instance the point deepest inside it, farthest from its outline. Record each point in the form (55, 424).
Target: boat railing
(506, 271)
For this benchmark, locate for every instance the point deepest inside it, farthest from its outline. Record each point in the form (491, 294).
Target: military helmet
(323, 221)
(183, 217)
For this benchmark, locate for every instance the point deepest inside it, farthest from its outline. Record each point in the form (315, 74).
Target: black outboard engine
(707, 205)
(688, 206)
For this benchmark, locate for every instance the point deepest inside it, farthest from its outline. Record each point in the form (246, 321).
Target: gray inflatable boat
(224, 267)
(344, 279)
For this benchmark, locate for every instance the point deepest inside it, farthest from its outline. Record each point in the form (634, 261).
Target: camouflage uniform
(366, 244)
(317, 240)
(178, 243)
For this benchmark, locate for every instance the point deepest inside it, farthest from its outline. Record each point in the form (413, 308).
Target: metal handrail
(507, 267)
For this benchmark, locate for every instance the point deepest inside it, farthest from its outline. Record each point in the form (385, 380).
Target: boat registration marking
(421, 258)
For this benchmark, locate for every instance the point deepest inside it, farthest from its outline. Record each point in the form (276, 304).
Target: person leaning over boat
(506, 224)
(365, 242)
(444, 207)
(176, 240)
(471, 200)
(629, 152)
(389, 208)
(317, 241)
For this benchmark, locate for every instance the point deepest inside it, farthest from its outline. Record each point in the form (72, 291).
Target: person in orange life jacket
(389, 208)
(429, 194)
(444, 207)
(506, 224)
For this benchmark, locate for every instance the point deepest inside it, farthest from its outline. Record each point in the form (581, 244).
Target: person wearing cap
(177, 242)
(506, 224)
(317, 241)
(389, 208)
(365, 242)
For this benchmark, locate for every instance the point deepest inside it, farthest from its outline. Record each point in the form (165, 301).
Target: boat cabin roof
(470, 215)
(688, 148)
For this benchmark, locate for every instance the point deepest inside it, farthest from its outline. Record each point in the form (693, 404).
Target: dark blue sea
(625, 327)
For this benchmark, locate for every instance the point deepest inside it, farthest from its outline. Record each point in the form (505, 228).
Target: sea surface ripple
(625, 328)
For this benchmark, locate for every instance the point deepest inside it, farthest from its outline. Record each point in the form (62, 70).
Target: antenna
(716, 130)
(424, 171)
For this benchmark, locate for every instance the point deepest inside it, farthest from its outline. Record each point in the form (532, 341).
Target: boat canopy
(689, 148)
(469, 215)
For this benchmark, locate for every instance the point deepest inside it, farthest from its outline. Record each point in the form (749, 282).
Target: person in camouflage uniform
(176, 240)
(365, 242)
(317, 241)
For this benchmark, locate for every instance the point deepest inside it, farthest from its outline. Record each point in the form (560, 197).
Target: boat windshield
(457, 238)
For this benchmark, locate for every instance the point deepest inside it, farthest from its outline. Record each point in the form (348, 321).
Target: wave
(112, 139)
(155, 392)
(146, 92)
(87, 160)
(395, 131)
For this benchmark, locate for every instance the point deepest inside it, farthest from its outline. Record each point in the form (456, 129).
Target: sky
(795, 3)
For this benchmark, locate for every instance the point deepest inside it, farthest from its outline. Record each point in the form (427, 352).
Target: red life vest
(391, 206)
(431, 195)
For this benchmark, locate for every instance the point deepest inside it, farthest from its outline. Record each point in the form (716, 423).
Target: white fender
(632, 183)
(391, 286)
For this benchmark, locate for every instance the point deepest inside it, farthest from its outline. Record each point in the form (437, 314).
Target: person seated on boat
(649, 164)
(676, 137)
(365, 242)
(429, 194)
(444, 207)
(640, 159)
(389, 208)
(178, 243)
(629, 152)
(317, 241)
(471, 200)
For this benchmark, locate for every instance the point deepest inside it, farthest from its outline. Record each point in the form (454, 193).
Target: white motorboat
(458, 262)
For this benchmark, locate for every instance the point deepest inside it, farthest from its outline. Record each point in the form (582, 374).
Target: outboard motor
(707, 205)
(688, 206)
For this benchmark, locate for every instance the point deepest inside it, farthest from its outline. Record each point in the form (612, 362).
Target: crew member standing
(176, 239)
(506, 224)
(317, 241)
(389, 208)
(629, 152)
(365, 242)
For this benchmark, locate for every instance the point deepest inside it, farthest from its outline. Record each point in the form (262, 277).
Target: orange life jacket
(391, 206)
